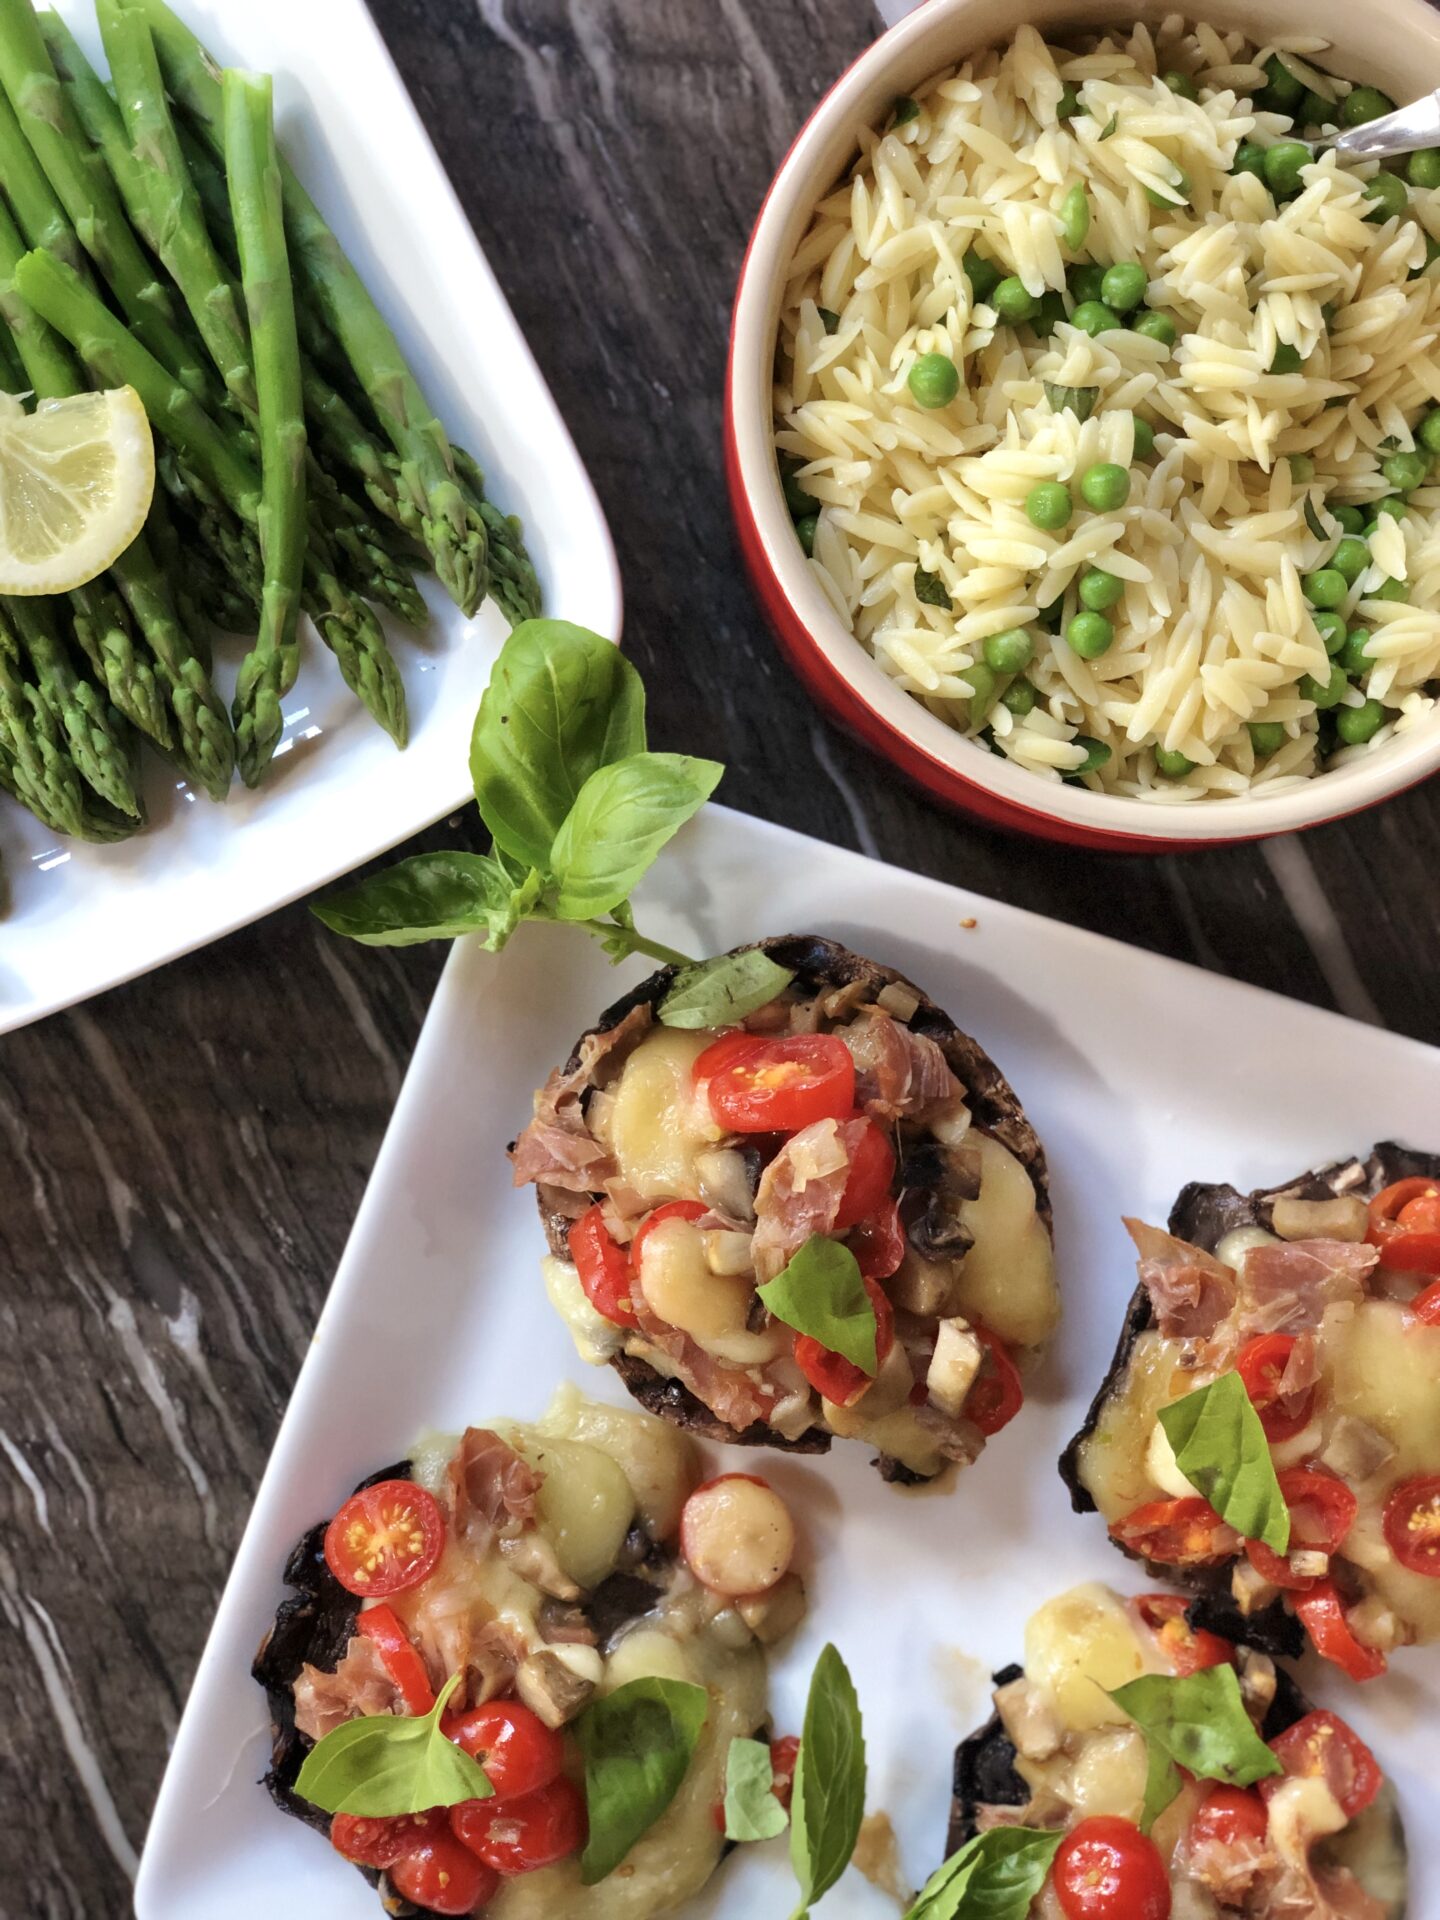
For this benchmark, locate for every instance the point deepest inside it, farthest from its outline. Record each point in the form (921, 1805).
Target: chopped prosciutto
(801, 1190)
(1190, 1290)
(736, 1397)
(450, 1637)
(1229, 1868)
(557, 1150)
(897, 1072)
(1302, 1368)
(1285, 1288)
(361, 1684)
(491, 1488)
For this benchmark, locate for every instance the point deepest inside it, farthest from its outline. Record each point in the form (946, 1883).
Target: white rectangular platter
(1139, 1073)
(82, 918)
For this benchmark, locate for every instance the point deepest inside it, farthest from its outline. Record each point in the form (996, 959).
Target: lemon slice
(76, 479)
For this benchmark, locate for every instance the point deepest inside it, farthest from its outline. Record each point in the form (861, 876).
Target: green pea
(1182, 84)
(1090, 635)
(1331, 629)
(983, 275)
(1287, 359)
(1283, 162)
(1390, 590)
(1423, 169)
(1350, 558)
(1105, 486)
(1352, 519)
(1075, 217)
(1302, 467)
(1249, 158)
(1405, 471)
(1283, 90)
(982, 686)
(1156, 326)
(1325, 693)
(1326, 588)
(1092, 317)
(1356, 725)
(1362, 104)
(1172, 766)
(1019, 697)
(1014, 302)
(805, 531)
(1051, 311)
(1099, 589)
(1010, 651)
(1353, 656)
(1048, 506)
(1085, 281)
(1428, 432)
(1052, 616)
(1179, 186)
(1388, 192)
(797, 499)
(1069, 107)
(904, 111)
(934, 380)
(1266, 736)
(1123, 286)
(1316, 111)
(1144, 434)
(1393, 505)
(1096, 754)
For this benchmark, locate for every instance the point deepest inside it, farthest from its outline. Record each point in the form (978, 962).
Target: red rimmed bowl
(1394, 44)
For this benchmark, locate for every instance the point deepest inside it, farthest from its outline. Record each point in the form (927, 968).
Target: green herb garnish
(1110, 126)
(820, 1292)
(995, 1876)
(1313, 520)
(384, 1764)
(637, 1744)
(752, 1811)
(828, 1802)
(1079, 400)
(931, 589)
(1220, 1447)
(1199, 1723)
(720, 992)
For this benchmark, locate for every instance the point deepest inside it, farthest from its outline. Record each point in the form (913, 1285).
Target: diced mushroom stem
(1029, 1719)
(1343, 1219)
(1257, 1682)
(770, 1616)
(1309, 1563)
(1251, 1591)
(555, 1683)
(1355, 1449)
(954, 1365)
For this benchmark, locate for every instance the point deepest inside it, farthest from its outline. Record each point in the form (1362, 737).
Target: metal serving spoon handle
(1404, 131)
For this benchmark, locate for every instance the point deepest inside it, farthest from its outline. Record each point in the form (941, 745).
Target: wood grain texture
(181, 1160)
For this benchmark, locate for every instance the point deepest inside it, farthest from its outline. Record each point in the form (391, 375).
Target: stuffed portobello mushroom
(821, 1213)
(1269, 1431)
(1281, 1813)
(484, 1636)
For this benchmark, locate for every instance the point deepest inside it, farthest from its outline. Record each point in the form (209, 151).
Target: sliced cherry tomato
(783, 1755)
(1261, 1366)
(997, 1394)
(401, 1661)
(1174, 1533)
(879, 1242)
(1322, 1512)
(872, 1169)
(1426, 1306)
(771, 1085)
(1106, 1869)
(515, 1747)
(1227, 1815)
(520, 1836)
(1322, 1614)
(833, 1376)
(373, 1842)
(1412, 1524)
(603, 1268)
(1405, 1226)
(672, 1210)
(385, 1539)
(1322, 1747)
(1188, 1649)
(444, 1876)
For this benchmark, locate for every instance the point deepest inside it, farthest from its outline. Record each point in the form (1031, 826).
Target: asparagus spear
(45, 775)
(39, 213)
(96, 745)
(512, 573)
(452, 529)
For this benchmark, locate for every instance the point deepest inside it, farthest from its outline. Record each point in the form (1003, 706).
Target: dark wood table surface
(180, 1161)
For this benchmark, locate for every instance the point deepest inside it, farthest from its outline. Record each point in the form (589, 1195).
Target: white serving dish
(1140, 1073)
(83, 918)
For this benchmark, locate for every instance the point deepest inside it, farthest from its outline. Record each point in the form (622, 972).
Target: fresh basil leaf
(637, 1744)
(622, 817)
(1110, 126)
(433, 896)
(820, 1292)
(1199, 1723)
(995, 1876)
(828, 1802)
(561, 703)
(829, 319)
(751, 1810)
(930, 589)
(386, 1764)
(719, 992)
(904, 111)
(1221, 1449)
(1313, 520)
(1079, 400)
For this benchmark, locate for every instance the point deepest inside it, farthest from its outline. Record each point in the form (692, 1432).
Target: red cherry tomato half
(879, 1242)
(401, 1661)
(1228, 1815)
(831, 1374)
(1426, 1306)
(1106, 1869)
(373, 1842)
(1322, 1512)
(1322, 1614)
(997, 1394)
(872, 1169)
(603, 1267)
(522, 1835)
(385, 1539)
(1405, 1226)
(783, 1755)
(1322, 1747)
(1261, 1367)
(443, 1875)
(515, 1747)
(672, 1210)
(1188, 1649)
(778, 1086)
(1174, 1533)
(1412, 1524)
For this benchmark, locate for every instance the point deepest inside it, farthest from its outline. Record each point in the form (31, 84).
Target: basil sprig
(828, 1802)
(1078, 400)
(576, 804)
(1220, 1447)
(820, 1292)
(995, 1876)
(383, 1764)
(752, 1811)
(719, 992)
(637, 1744)
(1200, 1723)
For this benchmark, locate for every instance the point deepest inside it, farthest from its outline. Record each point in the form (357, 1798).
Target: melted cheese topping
(1007, 1279)
(652, 1120)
